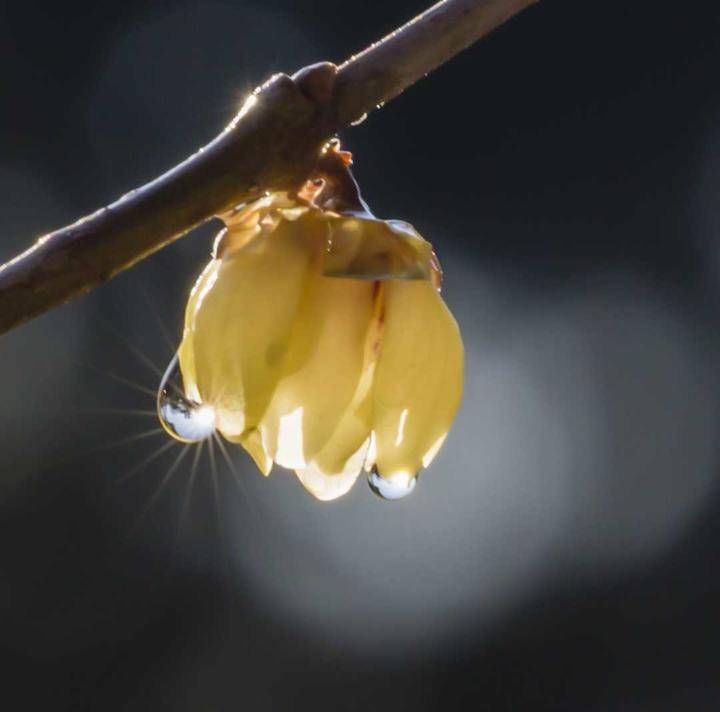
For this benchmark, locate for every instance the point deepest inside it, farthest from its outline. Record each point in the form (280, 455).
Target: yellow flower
(321, 342)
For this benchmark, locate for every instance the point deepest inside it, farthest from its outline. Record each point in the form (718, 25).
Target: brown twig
(272, 144)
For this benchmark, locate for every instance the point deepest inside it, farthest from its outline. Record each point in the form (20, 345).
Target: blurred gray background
(562, 551)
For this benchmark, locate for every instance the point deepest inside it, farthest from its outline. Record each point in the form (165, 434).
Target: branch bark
(272, 144)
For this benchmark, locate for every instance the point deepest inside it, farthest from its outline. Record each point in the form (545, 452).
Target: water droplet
(399, 487)
(359, 120)
(183, 418)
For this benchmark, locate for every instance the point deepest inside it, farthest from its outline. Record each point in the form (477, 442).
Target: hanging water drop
(184, 419)
(397, 488)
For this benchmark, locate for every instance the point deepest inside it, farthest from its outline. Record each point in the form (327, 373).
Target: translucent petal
(366, 248)
(258, 218)
(253, 443)
(234, 238)
(250, 213)
(350, 433)
(323, 368)
(186, 352)
(328, 486)
(354, 428)
(238, 329)
(285, 437)
(418, 381)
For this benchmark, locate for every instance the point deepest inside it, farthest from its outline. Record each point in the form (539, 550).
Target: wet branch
(272, 144)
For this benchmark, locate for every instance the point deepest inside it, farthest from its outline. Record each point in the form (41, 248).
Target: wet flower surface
(321, 342)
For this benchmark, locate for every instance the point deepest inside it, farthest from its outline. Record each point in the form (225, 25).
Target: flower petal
(367, 248)
(418, 382)
(186, 351)
(328, 486)
(354, 428)
(253, 443)
(238, 329)
(322, 370)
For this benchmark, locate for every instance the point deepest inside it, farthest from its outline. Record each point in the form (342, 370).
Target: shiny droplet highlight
(400, 486)
(183, 418)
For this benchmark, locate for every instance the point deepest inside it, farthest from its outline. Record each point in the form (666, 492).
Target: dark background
(562, 553)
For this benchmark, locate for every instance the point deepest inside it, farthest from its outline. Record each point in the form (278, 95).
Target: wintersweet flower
(318, 335)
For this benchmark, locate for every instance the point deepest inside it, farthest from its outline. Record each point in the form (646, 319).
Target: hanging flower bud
(318, 335)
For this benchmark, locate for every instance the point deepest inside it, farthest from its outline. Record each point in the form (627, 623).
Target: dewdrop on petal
(318, 339)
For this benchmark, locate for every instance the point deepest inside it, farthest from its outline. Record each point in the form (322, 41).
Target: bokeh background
(563, 553)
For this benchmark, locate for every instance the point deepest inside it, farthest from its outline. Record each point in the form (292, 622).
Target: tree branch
(272, 144)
